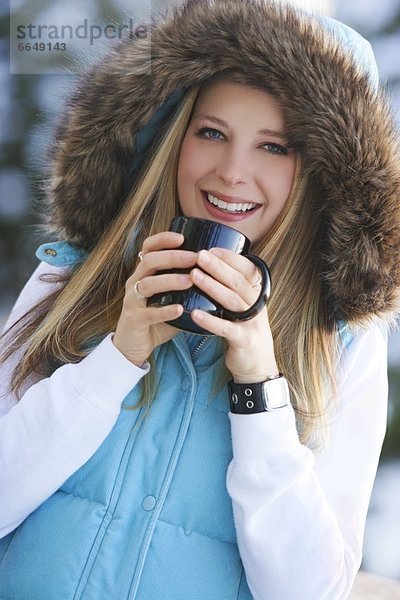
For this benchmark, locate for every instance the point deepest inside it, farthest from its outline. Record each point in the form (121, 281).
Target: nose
(232, 166)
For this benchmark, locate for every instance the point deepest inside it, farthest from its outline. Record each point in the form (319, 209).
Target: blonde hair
(305, 335)
(64, 326)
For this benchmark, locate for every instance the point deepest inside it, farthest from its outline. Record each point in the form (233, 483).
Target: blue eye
(275, 148)
(209, 133)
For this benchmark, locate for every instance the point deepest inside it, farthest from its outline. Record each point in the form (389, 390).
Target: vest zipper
(199, 346)
(175, 452)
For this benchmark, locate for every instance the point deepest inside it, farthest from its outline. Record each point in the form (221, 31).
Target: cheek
(186, 175)
(187, 161)
(194, 162)
(281, 182)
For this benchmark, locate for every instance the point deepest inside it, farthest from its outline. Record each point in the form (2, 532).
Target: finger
(222, 294)
(156, 284)
(155, 315)
(230, 276)
(162, 240)
(137, 292)
(241, 335)
(164, 260)
(220, 327)
(240, 263)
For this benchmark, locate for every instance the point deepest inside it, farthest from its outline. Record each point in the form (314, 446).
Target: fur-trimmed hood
(335, 118)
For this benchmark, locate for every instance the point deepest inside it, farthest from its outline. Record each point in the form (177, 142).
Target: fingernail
(184, 278)
(198, 275)
(215, 251)
(204, 256)
(198, 315)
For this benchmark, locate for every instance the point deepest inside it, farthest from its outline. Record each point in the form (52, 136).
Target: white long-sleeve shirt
(291, 508)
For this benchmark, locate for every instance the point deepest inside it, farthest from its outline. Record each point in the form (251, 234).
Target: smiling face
(234, 165)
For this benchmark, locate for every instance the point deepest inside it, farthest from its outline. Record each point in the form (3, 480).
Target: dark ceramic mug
(202, 234)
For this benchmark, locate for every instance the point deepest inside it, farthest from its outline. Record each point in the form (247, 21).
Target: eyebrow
(272, 132)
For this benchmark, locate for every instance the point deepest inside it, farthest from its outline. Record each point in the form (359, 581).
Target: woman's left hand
(228, 278)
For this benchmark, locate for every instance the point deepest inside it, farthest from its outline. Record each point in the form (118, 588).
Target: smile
(231, 207)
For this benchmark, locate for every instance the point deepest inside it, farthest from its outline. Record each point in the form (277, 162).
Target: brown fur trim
(335, 119)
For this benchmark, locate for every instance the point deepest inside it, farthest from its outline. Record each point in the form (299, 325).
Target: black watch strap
(250, 398)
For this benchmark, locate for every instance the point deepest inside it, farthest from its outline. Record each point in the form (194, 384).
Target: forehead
(226, 98)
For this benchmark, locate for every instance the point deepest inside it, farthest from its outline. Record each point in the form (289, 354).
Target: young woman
(127, 470)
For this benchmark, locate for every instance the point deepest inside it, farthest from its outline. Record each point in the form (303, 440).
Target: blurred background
(34, 83)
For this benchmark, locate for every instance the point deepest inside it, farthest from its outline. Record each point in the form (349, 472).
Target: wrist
(256, 397)
(269, 372)
(256, 377)
(138, 360)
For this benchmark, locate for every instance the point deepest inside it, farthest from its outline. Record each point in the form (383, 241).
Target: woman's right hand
(142, 328)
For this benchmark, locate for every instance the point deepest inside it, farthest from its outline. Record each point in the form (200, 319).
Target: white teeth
(230, 206)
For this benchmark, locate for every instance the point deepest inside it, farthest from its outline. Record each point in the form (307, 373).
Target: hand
(228, 277)
(140, 328)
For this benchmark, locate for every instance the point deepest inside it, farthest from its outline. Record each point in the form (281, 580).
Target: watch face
(276, 393)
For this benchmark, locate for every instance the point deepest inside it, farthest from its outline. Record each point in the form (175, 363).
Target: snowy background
(379, 22)
(32, 91)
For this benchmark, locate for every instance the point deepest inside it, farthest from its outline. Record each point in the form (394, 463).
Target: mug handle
(246, 315)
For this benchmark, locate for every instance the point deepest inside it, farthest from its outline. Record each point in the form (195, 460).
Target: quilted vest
(148, 516)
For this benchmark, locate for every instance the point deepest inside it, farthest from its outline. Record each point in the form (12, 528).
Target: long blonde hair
(65, 325)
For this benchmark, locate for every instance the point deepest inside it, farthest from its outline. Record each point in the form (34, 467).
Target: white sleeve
(300, 518)
(59, 422)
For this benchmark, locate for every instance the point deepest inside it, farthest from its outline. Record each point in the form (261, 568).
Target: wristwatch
(250, 398)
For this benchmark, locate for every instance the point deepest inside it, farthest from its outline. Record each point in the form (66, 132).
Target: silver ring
(259, 280)
(140, 255)
(137, 293)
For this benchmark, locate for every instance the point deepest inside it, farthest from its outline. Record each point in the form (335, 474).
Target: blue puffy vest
(148, 516)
